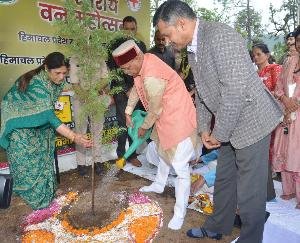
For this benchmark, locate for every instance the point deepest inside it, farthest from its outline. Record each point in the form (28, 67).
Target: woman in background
(287, 136)
(269, 73)
(28, 130)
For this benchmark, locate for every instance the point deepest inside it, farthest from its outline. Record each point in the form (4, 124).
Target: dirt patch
(110, 199)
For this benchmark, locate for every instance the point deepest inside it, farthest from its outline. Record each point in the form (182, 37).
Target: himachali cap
(291, 34)
(125, 52)
(296, 32)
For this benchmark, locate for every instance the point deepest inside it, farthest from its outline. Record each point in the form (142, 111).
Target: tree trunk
(96, 127)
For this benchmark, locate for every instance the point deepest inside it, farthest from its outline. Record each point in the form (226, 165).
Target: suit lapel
(196, 66)
(200, 40)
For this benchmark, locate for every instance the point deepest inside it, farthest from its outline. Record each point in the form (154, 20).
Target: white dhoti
(153, 157)
(180, 163)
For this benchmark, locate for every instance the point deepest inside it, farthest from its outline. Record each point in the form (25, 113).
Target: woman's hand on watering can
(141, 132)
(128, 120)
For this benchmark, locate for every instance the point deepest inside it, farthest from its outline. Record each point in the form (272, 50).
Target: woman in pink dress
(269, 73)
(286, 156)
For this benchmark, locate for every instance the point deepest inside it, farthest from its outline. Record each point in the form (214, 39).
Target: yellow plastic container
(120, 163)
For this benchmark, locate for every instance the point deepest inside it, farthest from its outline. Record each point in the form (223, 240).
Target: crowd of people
(247, 115)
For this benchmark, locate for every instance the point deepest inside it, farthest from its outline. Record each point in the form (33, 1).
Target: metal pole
(249, 23)
(298, 12)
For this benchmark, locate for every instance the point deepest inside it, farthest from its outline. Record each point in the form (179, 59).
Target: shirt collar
(193, 46)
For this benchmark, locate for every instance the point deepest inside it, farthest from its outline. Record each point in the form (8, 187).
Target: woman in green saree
(28, 127)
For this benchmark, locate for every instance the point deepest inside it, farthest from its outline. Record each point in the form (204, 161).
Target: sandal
(238, 222)
(135, 162)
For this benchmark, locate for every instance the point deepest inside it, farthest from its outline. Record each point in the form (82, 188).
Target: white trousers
(153, 157)
(180, 163)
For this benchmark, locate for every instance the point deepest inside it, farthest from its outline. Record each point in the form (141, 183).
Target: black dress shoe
(238, 221)
(98, 169)
(82, 170)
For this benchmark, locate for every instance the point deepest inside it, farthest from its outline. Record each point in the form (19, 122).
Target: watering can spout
(137, 118)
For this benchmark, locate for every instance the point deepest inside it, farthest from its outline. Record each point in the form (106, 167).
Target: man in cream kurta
(170, 111)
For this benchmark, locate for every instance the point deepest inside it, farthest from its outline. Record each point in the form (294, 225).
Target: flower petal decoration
(140, 222)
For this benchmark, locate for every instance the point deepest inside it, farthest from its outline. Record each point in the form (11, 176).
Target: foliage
(279, 52)
(284, 19)
(210, 15)
(249, 20)
(89, 48)
(231, 3)
(111, 134)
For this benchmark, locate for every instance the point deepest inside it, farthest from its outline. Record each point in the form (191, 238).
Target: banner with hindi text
(27, 32)
(27, 35)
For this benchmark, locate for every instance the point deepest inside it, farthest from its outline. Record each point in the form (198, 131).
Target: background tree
(209, 15)
(279, 52)
(248, 24)
(247, 21)
(284, 19)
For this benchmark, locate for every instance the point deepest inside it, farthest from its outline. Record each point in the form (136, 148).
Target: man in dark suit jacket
(162, 51)
(245, 114)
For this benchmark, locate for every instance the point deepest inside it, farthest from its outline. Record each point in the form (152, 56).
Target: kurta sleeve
(53, 120)
(204, 116)
(275, 73)
(132, 101)
(286, 75)
(155, 89)
(279, 89)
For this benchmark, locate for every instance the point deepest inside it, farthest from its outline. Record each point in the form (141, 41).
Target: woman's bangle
(73, 137)
(77, 138)
(280, 98)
